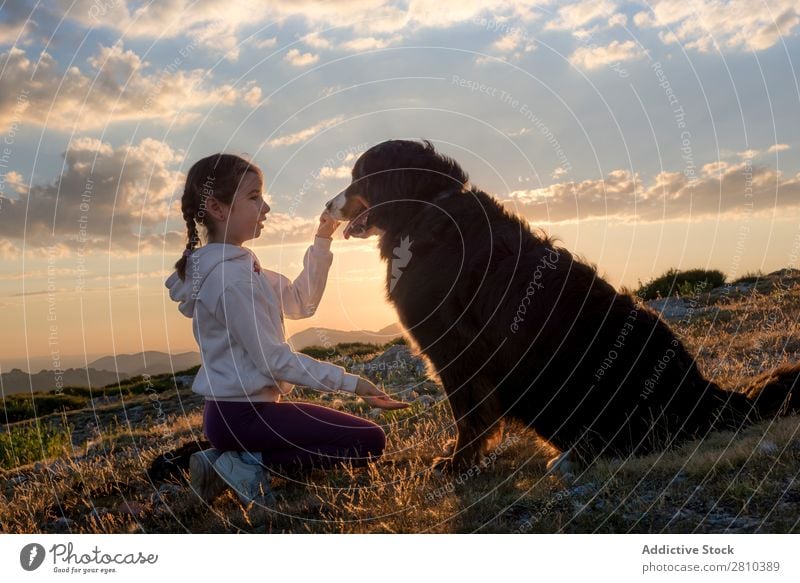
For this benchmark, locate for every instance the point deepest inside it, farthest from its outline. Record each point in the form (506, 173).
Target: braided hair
(217, 175)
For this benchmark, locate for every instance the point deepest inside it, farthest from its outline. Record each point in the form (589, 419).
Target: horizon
(644, 137)
(77, 360)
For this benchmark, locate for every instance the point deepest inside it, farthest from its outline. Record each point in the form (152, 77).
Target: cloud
(114, 200)
(581, 13)
(219, 26)
(316, 41)
(214, 25)
(266, 43)
(339, 172)
(8, 250)
(593, 57)
(305, 134)
(515, 44)
(253, 96)
(778, 148)
(722, 189)
(748, 154)
(296, 58)
(12, 180)
(110, 199)
(15, 33)
(618, 19)
(708, 24)
(119, 87)
(282, 228)
(370, 43)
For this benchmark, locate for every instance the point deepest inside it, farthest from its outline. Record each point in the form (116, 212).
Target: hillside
(150, 362)
(93, 476)
(112, 369)
(98, 373)
(18, 381)
(329, 336)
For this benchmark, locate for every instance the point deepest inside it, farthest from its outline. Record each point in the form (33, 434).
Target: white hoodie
(237, 309)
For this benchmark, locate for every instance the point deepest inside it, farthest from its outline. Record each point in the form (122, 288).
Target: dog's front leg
(478, 418)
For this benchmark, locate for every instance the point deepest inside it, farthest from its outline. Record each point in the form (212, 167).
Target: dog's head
(391, 183)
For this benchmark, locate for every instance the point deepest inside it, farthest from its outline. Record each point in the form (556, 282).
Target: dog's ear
(403, 170)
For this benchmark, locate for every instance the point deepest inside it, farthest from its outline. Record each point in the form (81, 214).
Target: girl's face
(247, 212)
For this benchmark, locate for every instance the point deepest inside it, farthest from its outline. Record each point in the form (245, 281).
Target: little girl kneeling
(237, 309)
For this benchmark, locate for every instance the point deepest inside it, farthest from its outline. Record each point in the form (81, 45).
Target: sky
(644, 135)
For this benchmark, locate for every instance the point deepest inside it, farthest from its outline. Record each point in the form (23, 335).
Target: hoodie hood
(201, 263)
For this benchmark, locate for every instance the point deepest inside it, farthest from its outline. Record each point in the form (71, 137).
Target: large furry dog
(518, 327)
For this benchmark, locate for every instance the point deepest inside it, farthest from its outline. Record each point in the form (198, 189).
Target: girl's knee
(375, 441)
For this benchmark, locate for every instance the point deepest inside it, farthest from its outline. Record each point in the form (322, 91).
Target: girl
(237, 311)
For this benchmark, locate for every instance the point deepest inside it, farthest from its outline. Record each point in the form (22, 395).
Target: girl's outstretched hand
(327, 225)
(375, 397)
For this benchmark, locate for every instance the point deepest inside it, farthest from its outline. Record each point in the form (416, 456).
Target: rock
(170, 490)
(395, 358)
(184, 381)
(582, 490)
(62, 524)
(11, 483)
(100, 511)
(669, 308)
(134, 414)
(166, 495)
(132, 508)
(768, 448)
(425, 401)
(678, 308)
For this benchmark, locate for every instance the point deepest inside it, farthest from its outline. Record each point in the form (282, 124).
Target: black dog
(517, 327)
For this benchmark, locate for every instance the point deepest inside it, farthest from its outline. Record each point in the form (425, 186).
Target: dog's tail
(774, 393)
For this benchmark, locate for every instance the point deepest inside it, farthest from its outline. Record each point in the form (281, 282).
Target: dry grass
(727, 483)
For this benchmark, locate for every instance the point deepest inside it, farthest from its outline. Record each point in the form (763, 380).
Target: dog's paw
(562, 465)
(442, 466)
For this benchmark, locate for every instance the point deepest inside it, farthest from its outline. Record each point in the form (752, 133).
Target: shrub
(680, 283)
(29, 442)
(749, 277)
(319, 352)
(21, 407)
(357, 348)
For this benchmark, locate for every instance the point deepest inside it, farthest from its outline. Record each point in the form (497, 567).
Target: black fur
(518, 327)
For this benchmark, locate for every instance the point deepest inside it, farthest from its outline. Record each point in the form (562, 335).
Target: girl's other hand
(375, 397)
(327, 225)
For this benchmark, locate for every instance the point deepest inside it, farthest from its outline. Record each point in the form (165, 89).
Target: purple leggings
(292, 436)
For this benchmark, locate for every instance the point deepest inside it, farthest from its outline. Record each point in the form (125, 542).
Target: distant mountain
(327, 336)
(98, 373)
(151, 362)
(18, 381)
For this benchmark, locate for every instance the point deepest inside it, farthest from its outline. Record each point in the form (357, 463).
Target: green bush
(21, 407)
(749, 277)
(681, 283)
(88, 393)
(30, 442)
(320, 352)
(349, 349)
(357, 348)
